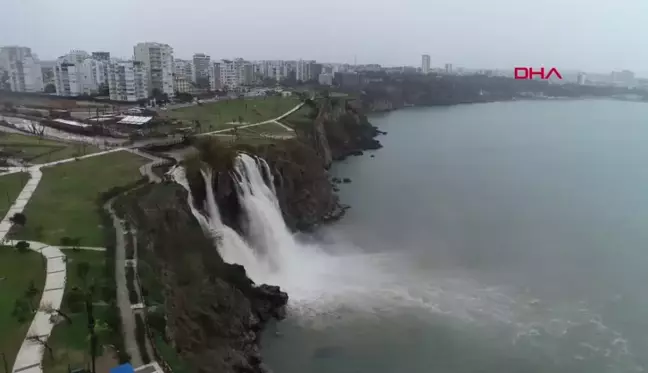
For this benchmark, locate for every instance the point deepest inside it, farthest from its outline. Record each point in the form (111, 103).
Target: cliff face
(303, 186)
(341, 129)
(299, 166)
(212, 314)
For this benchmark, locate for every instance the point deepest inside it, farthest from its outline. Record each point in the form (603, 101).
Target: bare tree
(36, 128)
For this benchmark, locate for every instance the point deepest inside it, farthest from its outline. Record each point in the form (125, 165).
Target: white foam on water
(338, 282)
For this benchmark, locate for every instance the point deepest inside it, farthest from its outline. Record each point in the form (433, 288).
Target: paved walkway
(28, 190)
(275, 120)
(123, 302)
(147, 169)
(30, 355)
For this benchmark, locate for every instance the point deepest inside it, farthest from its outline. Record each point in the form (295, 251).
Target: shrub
(140, 337)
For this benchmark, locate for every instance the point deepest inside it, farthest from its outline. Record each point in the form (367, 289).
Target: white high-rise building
(23, 68)
(581, 79)
(277, 70)
(67, 78)
(128, 81)
(304, 70)
(200, 72)
(76, 56)
(425, 64)
(183, 68)
(77, 74)
(448, 68)
(33, 75)
(158, 59)
(236, 73)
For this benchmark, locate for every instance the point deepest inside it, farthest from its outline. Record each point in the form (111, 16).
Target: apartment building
(23, 69)
(215, 77)
(158, 60)
(307, 70)
(236, 73)
(181, 84)
(67, 78)
(128, 80)
(200, 71)
(183, 68)
(33, 75)
(425, 63)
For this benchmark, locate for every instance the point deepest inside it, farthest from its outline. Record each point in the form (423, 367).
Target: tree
(82, 269)
(18, 219)
(104, 90)
(38, 232)
(30, 293)
(4, 81)
(22, 246)
(50, 88)
(22, 310)
(74, 299)
(65, 241)
(49, 309)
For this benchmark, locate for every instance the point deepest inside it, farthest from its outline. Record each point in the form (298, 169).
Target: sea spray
(322, 283)
(326, 288)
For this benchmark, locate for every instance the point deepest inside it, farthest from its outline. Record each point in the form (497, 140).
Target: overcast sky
(592, 35)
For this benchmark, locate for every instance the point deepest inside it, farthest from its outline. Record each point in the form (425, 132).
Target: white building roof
(72, 123)
(138, 121)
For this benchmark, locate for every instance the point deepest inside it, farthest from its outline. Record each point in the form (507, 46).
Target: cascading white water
(321, 283)
(326, 288)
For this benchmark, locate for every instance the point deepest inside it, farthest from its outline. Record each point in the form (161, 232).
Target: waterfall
(319, 281)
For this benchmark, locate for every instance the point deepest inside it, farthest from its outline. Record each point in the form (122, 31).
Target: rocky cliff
(299, 166)
(206, 313)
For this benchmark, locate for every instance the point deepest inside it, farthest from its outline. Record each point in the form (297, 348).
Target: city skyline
(586, 35)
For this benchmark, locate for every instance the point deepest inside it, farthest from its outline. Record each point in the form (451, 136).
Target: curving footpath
(31, 352)
(30, 355)
(274, 120)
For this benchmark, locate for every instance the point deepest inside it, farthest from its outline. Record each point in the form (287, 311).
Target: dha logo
(528, 73)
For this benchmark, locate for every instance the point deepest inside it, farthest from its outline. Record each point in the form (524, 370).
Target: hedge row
(130, 283)
(140, 337)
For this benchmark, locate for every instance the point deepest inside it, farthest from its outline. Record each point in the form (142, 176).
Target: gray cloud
(594, 35)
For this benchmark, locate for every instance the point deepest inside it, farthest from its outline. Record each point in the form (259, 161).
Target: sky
(587, 35)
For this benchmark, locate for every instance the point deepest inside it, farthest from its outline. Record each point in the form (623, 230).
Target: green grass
(38, 150)
(16, 270)
(70, 341)
(216, 115)
(272, 128)
(65, 202)
(10, 187)
(300, 117)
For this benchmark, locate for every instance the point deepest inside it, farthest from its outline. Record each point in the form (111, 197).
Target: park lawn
(219, 115)
(70, 342)
(65, 202)
(10, 187)
(17, 270)
(299, 118)
(38, 150)
(269, 128)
